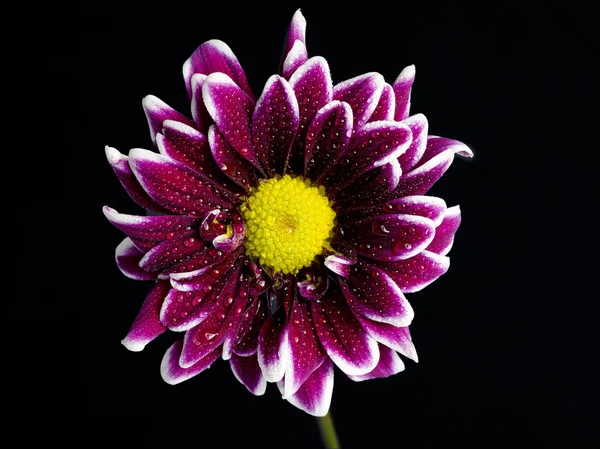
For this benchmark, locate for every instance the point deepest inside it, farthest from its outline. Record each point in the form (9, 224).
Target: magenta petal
(396, 338)
(248, 372)
(177, 187)
(211, 57)
(294, 59)
(328, 136)
(437, 145)
(173, 374)
(386, 106)
(274, 124)
(147, 326)
(200, 115)
(246, 340)
(228, 243)
(157, 112)
(231, 109)
(372, 293)
(339, 264)
(272, 346)
(314, 283)
(389, 364)
(362, 93)
(402, 88)
(120, 164)
(238, 169)
(128, 258)
(417, 272)
(314, 396)
(387, 237)
(171, 251)
(444, 233)
(419, 127)
(296, 32)
(304, 349)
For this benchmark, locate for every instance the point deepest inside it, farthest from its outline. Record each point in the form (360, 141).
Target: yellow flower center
(288, 222)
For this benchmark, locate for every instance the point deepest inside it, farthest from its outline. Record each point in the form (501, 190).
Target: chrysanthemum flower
(286, 229)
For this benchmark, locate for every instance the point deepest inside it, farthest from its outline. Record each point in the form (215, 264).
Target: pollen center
(288, 222)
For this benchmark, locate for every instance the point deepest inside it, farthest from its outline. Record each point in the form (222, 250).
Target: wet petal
(228, 243)
(328, 136)
(314, 396)
(294, 59)
(248, 372)
(387, 237)
(362, 93)
(296, 32)
(437, 145)
(147, 326)
(417, 272)
(120, 164)
(238, 169)
(272, 346)
(211, 57)
(274, 124)
(174, 374)
(201, 117)
(246, 340)
(386, 106)
(419, 127)
(171, 251)
(389, 364)
(314, 283)
(128, 257)
(402, 88)
(372, 293)
(157, 111)
(339, 264)
(342, 336)
(231, 109)
(396, 338)
(444, 233)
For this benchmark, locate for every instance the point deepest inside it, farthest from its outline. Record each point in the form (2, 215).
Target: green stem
(327, 431)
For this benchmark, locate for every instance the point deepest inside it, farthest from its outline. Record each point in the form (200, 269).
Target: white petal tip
(133, 345)
(407, 74)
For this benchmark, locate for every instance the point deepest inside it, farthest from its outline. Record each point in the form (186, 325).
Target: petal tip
(133, 345)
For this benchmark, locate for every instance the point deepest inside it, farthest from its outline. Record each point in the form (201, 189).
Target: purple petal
(444, 233)
(173, 374)
(419, 127)
(171, 251)
(387, 237)
(147, 326)
(339, 264)
(241, 305)
(327, 138)
(372, 293)
(389, 364)
(246, 340)
(120, 164)
(362, 93)
(313, 87)
(386, 106)
(177, 187)
(228, 243)
(417, 272)
(437, 145)
(274, 124)
(128, 258)
(157, 111)
(231, 109)
(211, 57)
(314, 396)
(402, 88)
(296, 32)
(248, 372)
(305, 353)
(294, 59)
(315, 283)
(342, 336)
(238, 169)
(200, 115)
(272, 346)
(396, 338)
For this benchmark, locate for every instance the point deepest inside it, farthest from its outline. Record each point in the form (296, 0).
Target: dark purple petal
(147, 326)
(387, 237)
(272, 346)
(128, 259)
(444, 233)
(171, 251)
(177, 187)
(417, 272)
(296, 32)
(200, 261)
(157, 111)
(402, 88)
(120, 164)
(419, 127)
(305, 353)
(313, 87)
(362, 93)
(173, 374)
(389, 364)
(314, 283)
(246, 340)
(200, 115)
(238, 169)
(339, 264)
(372, 293)
(294, 59)
(228, 243)
(396, 338)
(214, 224)
(421, 179)
(437, 145)
(386, 106)
(211, 57)
(314, 396)
(231, 109)
(274, 124)
(241, 304)
(342, 336)
(328, 136)
(248, 372)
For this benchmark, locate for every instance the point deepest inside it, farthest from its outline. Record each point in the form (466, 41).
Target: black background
(507, 338)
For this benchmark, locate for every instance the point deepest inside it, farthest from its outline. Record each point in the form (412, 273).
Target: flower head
(286, 229)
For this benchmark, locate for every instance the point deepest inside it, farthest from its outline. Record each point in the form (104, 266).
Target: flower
(286, 230)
